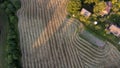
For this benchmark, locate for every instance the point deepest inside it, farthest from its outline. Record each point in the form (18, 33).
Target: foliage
(73, 6)
(85, 20)
(11, 8)
(2, 6)
(16, 3)
(91, 1)
(116, 7)
(115, 18)
(99, 7)
(114, 1)
(13, 50)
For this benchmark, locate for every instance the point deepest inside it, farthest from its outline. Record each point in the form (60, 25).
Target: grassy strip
(13, 55)
(87, 40)
(107, 37)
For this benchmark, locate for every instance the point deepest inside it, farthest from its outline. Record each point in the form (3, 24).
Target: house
(85, 12)
(114, 29)
(107, 8)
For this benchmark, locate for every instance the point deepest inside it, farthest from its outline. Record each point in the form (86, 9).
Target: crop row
(47, 38)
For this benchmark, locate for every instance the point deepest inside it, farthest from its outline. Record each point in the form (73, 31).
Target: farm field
(48, 39)
(3, 34)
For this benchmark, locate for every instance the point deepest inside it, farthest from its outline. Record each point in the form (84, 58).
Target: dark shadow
(3, 38)
(89, 7)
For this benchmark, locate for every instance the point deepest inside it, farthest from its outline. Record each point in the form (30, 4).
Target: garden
(97, 15)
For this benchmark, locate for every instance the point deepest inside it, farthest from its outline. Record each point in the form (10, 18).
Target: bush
(74, 6)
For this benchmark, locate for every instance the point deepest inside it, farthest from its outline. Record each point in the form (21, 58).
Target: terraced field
(49, 40)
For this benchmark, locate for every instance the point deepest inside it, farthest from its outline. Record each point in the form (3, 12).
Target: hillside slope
(49, 40)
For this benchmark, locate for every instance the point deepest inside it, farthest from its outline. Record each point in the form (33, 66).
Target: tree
(10, 6)
(13, 20)
(91, 1)
(115, 18)
(16, 3)
(99, 7)
(116, 7)
(73, 6)
(7, 10)
(3, 6)
(114, 1)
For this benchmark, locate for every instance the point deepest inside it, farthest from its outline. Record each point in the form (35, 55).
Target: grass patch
(101, 34)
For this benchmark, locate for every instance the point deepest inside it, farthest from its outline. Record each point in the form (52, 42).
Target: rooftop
(85, 12)
(107, 9)
(115, 30)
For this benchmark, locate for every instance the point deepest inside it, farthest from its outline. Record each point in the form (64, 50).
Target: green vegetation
(116, 7)
(114, 18)
(74, 7)
(13, 55)
(98, 7)
(99, 29)
(91, 1)
(3, 34)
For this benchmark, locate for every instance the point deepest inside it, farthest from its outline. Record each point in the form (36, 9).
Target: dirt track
(48, 39)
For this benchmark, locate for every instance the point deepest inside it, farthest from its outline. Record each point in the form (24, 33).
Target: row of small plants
(13, 54)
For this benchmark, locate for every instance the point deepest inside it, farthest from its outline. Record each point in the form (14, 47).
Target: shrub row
(13, 54)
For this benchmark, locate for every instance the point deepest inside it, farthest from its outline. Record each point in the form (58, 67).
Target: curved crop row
(48, 38)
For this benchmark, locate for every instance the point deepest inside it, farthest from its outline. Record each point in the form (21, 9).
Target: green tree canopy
(99, 7)
(115, 18)
(114, 1)
(91, 1)
(74, 6)
(116, 7)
